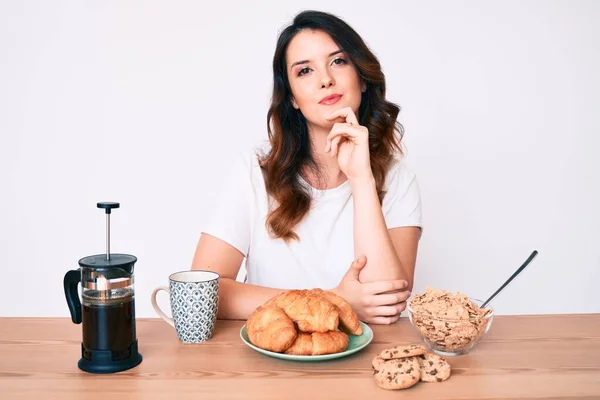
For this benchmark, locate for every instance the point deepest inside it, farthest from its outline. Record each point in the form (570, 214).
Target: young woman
(328, 202)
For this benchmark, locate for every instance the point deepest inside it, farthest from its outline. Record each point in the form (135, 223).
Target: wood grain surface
(522, 357)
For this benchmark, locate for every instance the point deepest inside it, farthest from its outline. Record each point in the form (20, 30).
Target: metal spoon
(513, 276)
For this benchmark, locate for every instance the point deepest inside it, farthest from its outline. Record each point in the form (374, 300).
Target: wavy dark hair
(290, 151)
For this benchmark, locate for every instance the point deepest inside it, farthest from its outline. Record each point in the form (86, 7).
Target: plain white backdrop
(147, 102)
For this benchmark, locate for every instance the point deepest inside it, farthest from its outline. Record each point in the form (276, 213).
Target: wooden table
(522, 357)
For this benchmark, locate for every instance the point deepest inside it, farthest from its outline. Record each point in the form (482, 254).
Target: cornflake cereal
(450, 322)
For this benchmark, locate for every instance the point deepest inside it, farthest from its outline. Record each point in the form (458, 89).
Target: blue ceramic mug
(194, 298)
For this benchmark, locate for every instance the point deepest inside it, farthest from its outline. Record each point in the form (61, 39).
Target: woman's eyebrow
(307, 61)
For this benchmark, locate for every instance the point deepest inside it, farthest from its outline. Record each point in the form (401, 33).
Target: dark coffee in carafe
(119, 316)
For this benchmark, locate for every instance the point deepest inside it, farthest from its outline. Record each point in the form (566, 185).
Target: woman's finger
(350, 130)
(345, 113)
(387, 311)
(355, 134)
(340, 142)
(335, 143)
(383, 320)
(390, 299)
(379, 287)
(329, 140)
(402, 306)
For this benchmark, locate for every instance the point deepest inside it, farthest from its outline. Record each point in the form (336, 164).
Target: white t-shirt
(325, 250)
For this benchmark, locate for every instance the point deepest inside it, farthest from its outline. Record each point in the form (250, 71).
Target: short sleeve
(229, 218)
(402, 202)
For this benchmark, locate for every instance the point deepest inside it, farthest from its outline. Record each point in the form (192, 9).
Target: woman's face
(321, 76)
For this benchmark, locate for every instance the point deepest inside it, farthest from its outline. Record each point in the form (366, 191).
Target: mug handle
(160, 313)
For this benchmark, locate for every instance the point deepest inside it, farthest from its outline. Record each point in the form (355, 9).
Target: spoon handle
(513, 276)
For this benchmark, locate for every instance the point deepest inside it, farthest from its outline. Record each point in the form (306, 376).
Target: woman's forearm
(237, 300)
(371, 236)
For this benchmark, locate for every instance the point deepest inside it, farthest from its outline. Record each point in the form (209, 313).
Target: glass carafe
(106, 309)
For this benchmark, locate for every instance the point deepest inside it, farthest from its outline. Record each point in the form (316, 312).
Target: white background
(147, 102)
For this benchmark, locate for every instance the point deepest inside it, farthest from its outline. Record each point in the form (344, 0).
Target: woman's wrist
(363, 182)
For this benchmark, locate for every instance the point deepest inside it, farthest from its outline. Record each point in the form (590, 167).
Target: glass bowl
(448, 335)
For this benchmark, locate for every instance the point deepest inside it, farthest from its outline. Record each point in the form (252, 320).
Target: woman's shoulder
(248, 157)
(402, 201)
(245, 167)
(400, 172)
(251, 155)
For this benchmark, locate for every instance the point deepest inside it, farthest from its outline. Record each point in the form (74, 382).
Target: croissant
(303, 322)
(349, 321)
(317, 343)
(271, 329)
(308, 311)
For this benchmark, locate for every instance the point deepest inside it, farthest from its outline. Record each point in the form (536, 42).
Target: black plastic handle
(108, 205)
(71, 281)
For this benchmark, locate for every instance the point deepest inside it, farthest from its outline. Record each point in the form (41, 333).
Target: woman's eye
(339, 61)
(303, 71)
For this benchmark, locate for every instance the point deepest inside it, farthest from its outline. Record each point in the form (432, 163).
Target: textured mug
(194, 297)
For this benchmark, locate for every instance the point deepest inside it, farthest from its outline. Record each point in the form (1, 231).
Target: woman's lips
(334, 98)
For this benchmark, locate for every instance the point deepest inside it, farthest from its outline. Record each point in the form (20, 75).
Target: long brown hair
(288, 134)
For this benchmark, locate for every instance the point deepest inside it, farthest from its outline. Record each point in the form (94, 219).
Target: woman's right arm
(237, 300)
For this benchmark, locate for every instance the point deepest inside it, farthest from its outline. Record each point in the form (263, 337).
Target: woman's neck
(330, 176)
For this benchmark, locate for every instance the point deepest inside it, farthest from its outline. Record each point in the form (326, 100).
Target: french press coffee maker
(107, 308)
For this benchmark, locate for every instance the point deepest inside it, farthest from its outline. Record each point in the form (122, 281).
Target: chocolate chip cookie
(433, 367)
(396, 374)
(403, 351)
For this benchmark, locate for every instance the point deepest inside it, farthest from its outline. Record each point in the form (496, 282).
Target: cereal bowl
(449, 324)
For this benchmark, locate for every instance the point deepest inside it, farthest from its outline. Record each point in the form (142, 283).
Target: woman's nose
(327, 81)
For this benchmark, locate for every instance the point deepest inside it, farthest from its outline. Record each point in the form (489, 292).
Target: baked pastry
(302, 346)
(317, 343)
(271, 329)
(308, 310)
(349, 321)
(303, 322)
